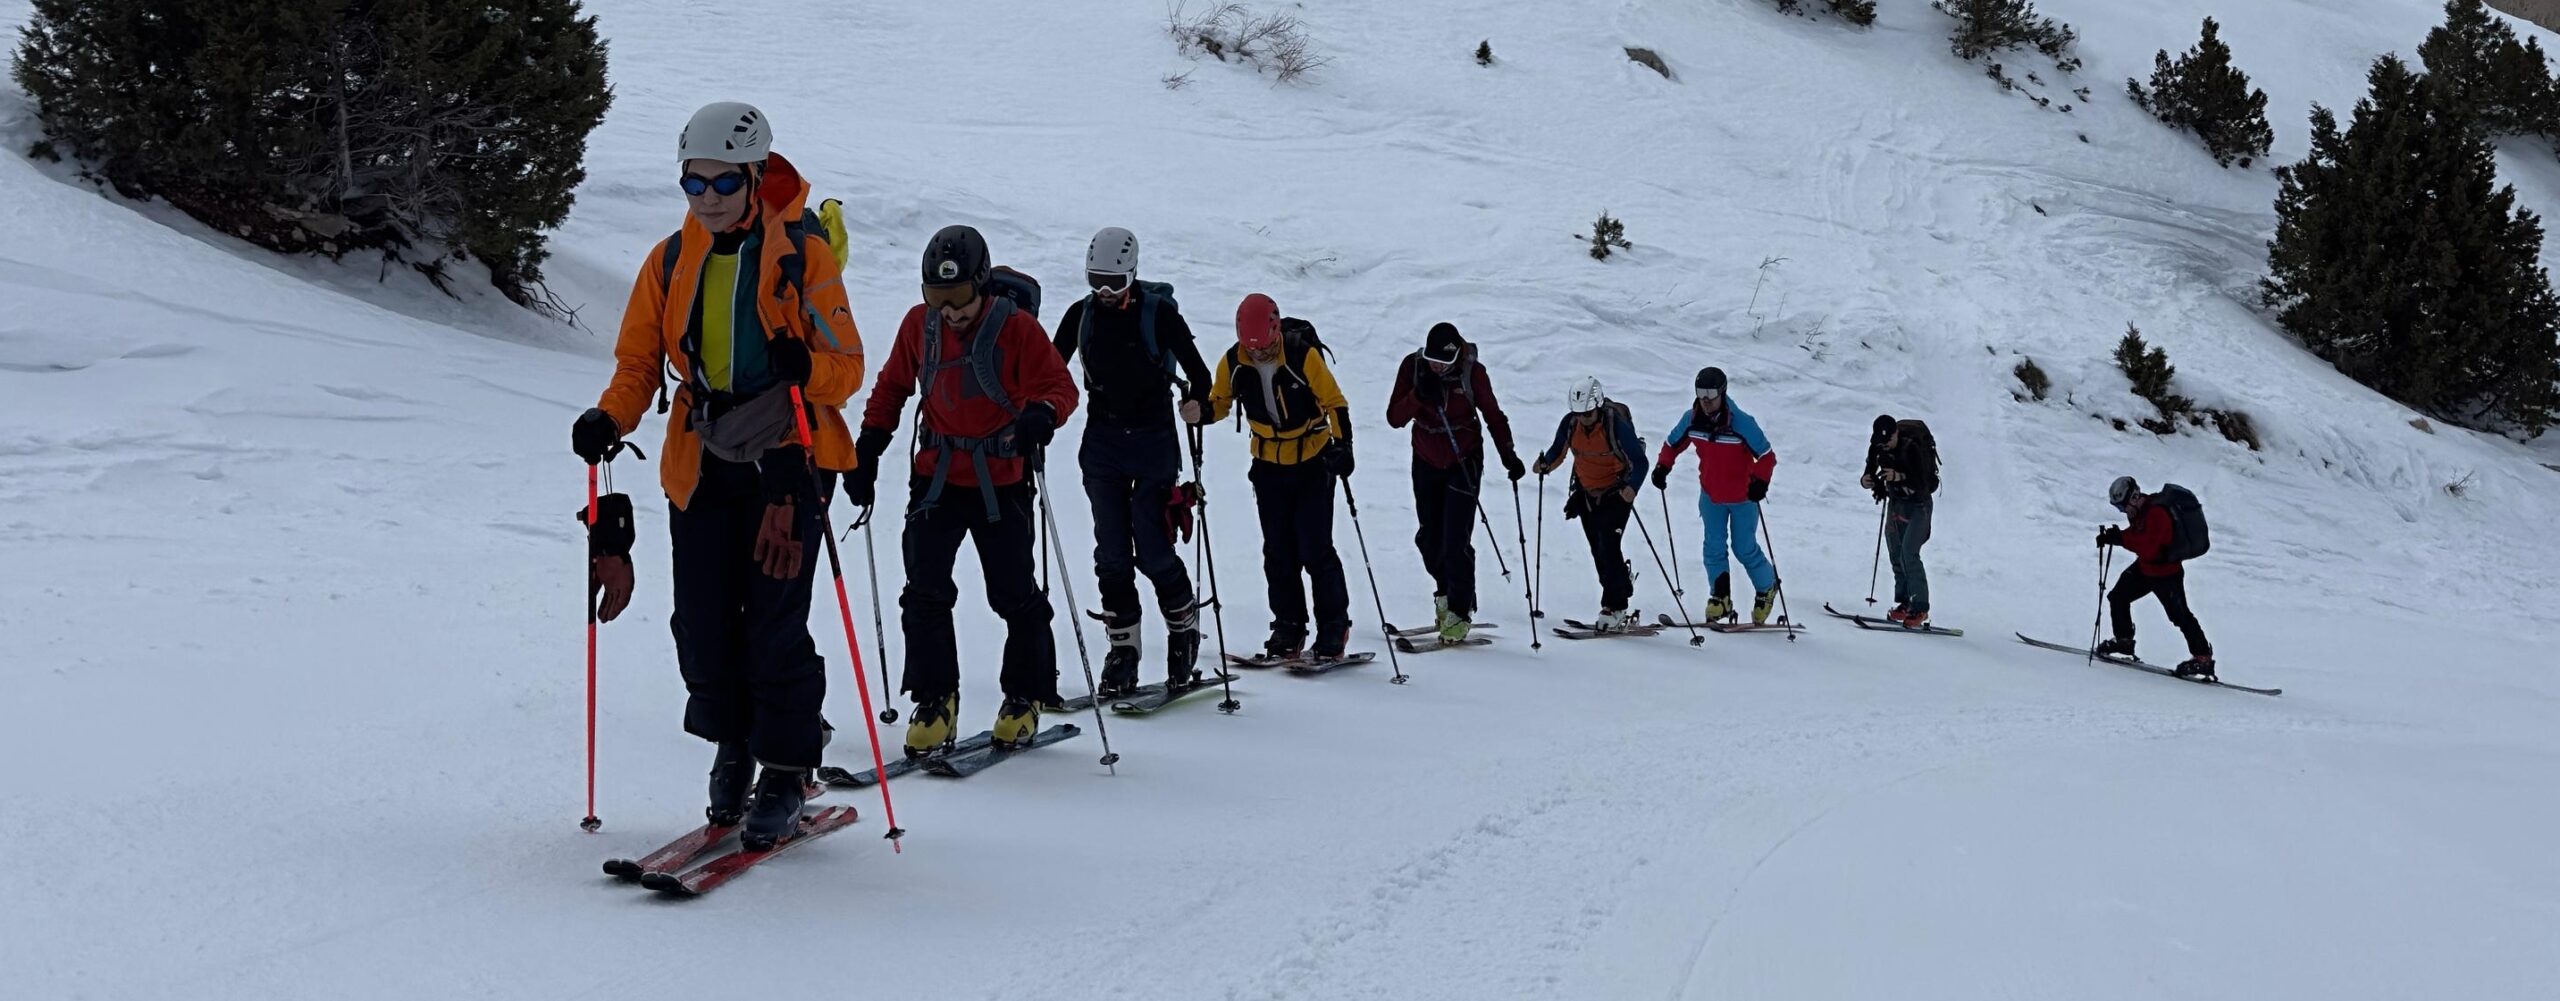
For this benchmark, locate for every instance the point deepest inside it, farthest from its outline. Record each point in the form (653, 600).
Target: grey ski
(841, 778)
(962, 764)
(2140, 665)
(1888, 625)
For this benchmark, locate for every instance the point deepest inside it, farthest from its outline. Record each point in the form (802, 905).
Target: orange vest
(1596, 462)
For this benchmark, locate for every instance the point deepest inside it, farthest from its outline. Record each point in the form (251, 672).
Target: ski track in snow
(293, 622)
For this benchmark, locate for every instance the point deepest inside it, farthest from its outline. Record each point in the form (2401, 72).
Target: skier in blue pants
(1734, 465)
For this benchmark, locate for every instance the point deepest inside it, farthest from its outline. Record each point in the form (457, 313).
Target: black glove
(860, 484)
(1759, 491)
(1511, 464)
(1037, 426)
(785, 474)
(2110, 536)
(1337, 460)
(1423, 381)
(788, 359)
(1662, 477)
(594, 435)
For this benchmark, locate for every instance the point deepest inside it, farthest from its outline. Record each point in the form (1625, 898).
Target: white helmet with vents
(726, 131)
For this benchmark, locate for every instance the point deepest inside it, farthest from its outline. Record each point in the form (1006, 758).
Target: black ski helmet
(955, 256)
(1884, 427)
(2120, 493)
(1711, 377)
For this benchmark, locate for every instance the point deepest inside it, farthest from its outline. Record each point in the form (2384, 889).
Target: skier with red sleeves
(994, 392)
(1734, 465)
(1444, 392)
(2151, 534)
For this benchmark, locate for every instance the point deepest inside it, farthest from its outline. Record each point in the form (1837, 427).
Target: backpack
(1150, 296)
(1023, 289)
(1297, 335)
(1008, 291)
(2189, 537)
(1920, 451)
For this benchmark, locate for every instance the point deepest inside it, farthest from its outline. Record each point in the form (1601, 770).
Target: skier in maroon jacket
(2147, 533)
(1445, 394)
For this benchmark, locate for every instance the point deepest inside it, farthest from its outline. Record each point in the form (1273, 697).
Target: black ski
(1422, 631)
(1888, 625)
(962, 764)
(839, 777)
(2139, 665)
(1149, 698)
(1435, 643)
(1303, 663)
(1576, 629)
(1730, 626)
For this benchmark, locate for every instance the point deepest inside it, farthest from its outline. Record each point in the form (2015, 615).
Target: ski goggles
(1441, 364)
(1105, 282)
(950, 296)
(1710, 395)
(726, 184)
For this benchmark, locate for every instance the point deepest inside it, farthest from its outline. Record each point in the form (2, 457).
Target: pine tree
(2149, 370)
(453, 126)
(2481, 67)
(2203, 93)
(2397, 259)
(1984, 27)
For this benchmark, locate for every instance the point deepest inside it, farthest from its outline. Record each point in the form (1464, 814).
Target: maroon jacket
(2148, 536)
(1446, 410)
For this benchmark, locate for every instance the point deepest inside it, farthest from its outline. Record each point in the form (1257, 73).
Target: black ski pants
(1444, 500)
(1129, 476)
(751, 671)
(1604, 524)
(1005, 556)
(1296, 505)
(2172, 591)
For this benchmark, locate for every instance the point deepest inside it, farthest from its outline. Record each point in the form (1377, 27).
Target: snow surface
(289, 587)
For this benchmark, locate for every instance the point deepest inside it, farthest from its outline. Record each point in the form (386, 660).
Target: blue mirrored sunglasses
(726, 184)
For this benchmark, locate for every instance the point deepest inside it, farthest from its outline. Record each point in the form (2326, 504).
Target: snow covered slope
(288, 585)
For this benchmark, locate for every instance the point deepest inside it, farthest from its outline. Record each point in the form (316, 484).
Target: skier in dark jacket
(1137, 353)
(1444, 392)
(1902, 472)
(2147, 533)
(971, 480)
(1301, 441)
(1599, 435)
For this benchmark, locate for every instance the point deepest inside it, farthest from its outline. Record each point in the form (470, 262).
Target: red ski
(708, 876)
(675, 856)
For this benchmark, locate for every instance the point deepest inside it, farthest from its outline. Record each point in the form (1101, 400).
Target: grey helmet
(1114, 251)
(726, 131)
(2120, 493)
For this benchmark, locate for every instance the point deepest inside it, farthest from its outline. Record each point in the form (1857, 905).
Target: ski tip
(622, 868)
(665, 883)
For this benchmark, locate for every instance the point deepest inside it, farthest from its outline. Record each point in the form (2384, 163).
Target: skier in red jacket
(2147, 534)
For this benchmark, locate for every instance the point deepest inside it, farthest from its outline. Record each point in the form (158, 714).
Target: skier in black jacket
(1138, 354)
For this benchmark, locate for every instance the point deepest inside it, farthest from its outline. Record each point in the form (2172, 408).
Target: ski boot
(733, 780)
(929, 728)
(1762, 605)
(1720, 599)
(1454, 628)
(1915, 619)
(2118, 646)
(1331, 640)
(1614, 621)
(1899, 613)
(776, 814)
(1016, 721)
(1120, 666)
(1288, 640)
(2197, 668)
(1182, 649)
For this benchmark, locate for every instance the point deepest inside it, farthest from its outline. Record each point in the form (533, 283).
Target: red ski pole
(591, 824)
(844, 607)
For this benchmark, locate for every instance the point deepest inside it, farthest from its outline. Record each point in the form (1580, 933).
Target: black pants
(2172, 591)
(1005, 557)
(1604, 525)
(1128, 475)
(1296, 504)
(751, 671)
(1444, 500)
(1906, 530)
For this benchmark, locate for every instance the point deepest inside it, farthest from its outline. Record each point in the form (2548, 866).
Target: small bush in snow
(2478, 64)
(2454, 315)
(1484, 52)
(433, 131)
(1858, 12)
(2150, 371)
(1649, 60)
(2202, 93)
(2032, 377)
(1984, 27)
(2234, 425)
(1270, 43)
(2460, 487)
(1607, 236)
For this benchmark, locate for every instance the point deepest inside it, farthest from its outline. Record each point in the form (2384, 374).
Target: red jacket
(1447, 412)
(2148, 536)
(1027, 366)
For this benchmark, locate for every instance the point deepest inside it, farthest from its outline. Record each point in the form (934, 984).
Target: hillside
(292, 592)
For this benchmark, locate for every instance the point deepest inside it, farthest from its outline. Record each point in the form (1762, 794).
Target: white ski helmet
(726, 131)
(1114, 251)
(1586, 396)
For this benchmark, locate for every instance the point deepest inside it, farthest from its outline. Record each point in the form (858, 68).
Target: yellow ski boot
(929, 730)
(1761, 605)
(1016, 721)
